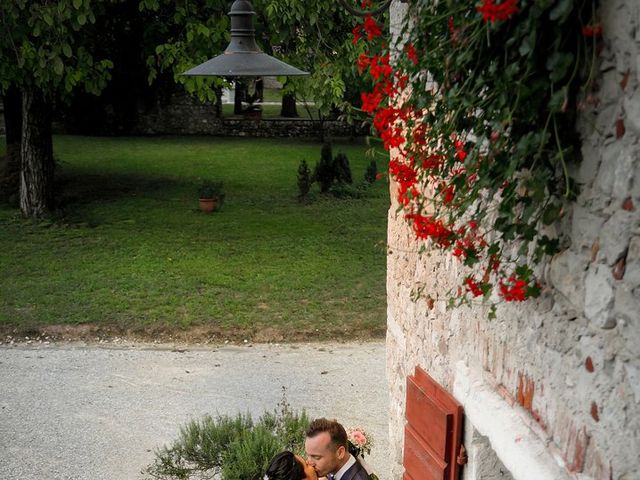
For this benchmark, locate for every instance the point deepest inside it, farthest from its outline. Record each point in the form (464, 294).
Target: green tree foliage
(192, 33)
(42, 44)
(44, 55)
(315, 36)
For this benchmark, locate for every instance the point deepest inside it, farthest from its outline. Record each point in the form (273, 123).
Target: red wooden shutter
(433, 433)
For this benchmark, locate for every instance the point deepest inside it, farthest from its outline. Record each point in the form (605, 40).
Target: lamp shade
(243, 57)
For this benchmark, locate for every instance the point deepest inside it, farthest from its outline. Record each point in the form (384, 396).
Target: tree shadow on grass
(79, 193)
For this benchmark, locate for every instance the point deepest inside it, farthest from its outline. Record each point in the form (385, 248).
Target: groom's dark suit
(356, 472)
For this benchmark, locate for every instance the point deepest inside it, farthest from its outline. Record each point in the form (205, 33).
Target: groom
(328, 454)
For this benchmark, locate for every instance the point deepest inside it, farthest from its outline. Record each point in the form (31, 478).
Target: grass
(130, 253)
(273, 112)
(269, 111)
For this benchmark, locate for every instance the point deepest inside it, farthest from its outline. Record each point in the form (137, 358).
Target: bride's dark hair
(284, 466)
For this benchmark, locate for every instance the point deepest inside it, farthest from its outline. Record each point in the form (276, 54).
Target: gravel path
(82, 412)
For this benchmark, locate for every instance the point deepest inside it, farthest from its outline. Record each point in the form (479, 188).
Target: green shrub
(342, 169)
(371, 172)
(200, 447)
(344, 190)
(248, 457)
(230, 448)
(324, 172)
(304, 179)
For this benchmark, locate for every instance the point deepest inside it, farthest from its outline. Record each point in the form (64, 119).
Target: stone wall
(184, 116)
(551, 388)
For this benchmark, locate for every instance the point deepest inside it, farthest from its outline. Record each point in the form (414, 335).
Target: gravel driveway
(95, 412)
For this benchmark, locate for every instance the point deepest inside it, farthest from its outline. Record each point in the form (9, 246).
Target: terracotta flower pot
(208, 205)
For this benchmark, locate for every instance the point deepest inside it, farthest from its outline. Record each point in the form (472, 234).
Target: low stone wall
(208, 124)
(186, 116)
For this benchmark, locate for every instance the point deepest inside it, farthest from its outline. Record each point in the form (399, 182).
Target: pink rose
(358, 438)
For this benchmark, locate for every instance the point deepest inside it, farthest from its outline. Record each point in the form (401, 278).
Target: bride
(287, 466)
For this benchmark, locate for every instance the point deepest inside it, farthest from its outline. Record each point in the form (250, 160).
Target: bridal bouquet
(360, 444)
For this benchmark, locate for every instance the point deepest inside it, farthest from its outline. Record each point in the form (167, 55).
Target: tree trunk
(240, 95)
(289, 109)
(36, 173)
(10, 164)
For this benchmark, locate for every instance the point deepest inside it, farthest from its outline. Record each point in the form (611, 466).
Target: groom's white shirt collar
(345, 467)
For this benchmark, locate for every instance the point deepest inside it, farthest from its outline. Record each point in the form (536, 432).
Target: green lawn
(273, 111)
(131, 253)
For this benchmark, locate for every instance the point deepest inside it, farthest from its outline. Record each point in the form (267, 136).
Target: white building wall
(553, 385)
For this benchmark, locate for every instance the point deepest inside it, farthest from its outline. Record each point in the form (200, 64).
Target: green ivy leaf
(561, 11)
(558, 64)
(58, 66)
(533, 291)
(551, 213)
(528, 44)
(557, 100)
(77, 4)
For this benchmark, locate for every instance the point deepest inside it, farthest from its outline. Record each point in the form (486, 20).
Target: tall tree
(315, 36)
(44, 56)
(312, 35)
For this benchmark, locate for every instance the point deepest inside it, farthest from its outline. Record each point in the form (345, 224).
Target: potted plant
(211, 195)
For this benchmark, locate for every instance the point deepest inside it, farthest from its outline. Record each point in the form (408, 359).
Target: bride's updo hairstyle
(285, 466)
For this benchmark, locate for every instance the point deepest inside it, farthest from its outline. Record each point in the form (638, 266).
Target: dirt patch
(201, 334)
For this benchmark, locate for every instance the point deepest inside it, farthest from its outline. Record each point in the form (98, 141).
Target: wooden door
(433, 432)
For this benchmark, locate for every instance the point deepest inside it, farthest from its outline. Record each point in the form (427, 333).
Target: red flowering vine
(492, 12)
(372, 28)
(514, 289)
(460, 141)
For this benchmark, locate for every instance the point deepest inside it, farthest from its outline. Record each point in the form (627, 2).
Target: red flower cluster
(356, 34)
(385, 117)
(406, 177)
(468, 243)
(492, 12)
(473, 287)
(371, 101)
(592, 30)
(426, 227)
(369, 26)
(514, 289)
(433, 162)
(363, 62)
(460, 153)
(372, 28)
(453, 32)
(411, 53)
(379, 67)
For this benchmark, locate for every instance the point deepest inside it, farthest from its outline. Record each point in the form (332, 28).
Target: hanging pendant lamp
(243, 57)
